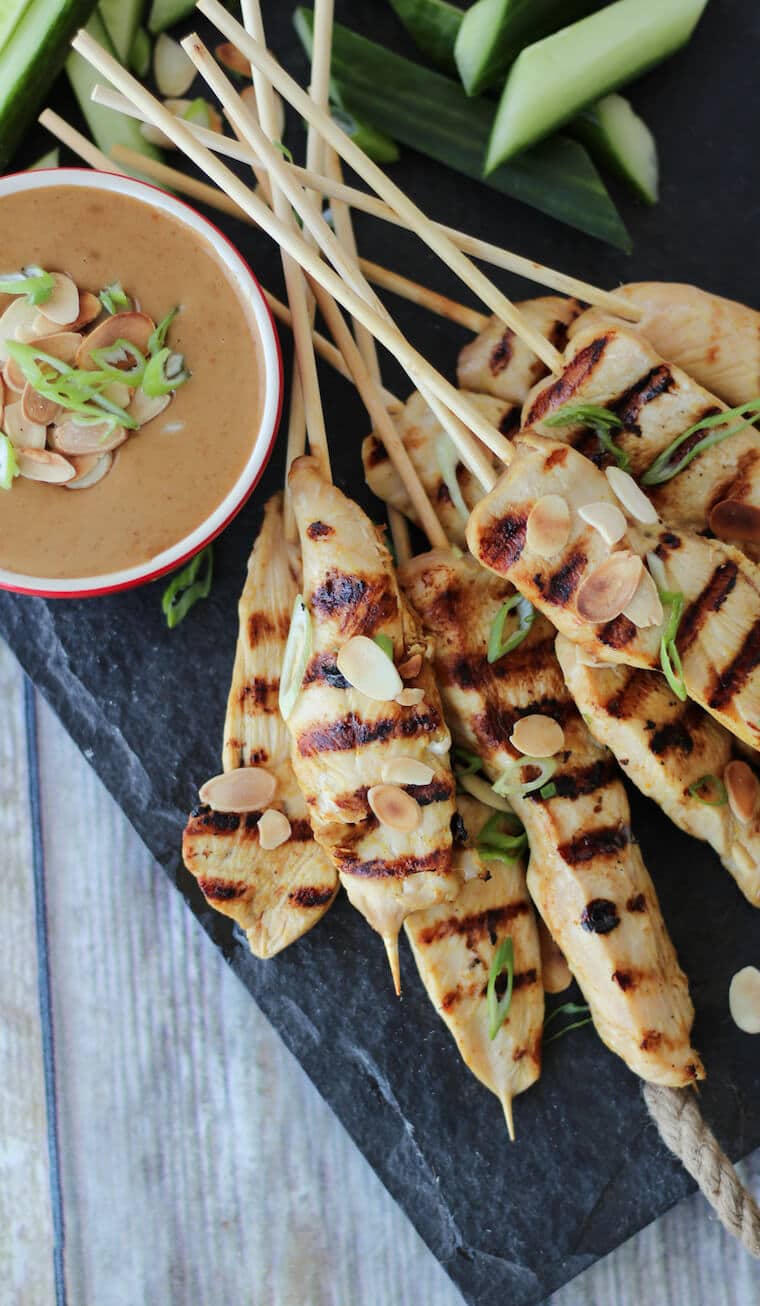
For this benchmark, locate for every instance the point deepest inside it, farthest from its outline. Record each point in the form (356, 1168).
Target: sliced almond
(18, 316)
(13, 376)
(42, 465)
(365, 666)
(143, 408)
(174, 70)
(406, 771)
(248, 96)
(742, 787)
(606, 518)
(2, 400)
(137, 328)
(548, 526)
(274, 829)
(88, 309)
(394, 807)
(119, 393)
(733, 520)
(537, 735)
(229, 55)
(556, 975)
(36, 408)
(645, 608)
(632, 497)
(410, 669)
(63, 305)
(90, 469)
(247, 789)
(60, 344)
(69, 437)
(744, 999)
(23, 432)
(410, 697)
(609, 588)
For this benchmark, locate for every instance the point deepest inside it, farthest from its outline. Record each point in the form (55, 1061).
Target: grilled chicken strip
(496, 362)
(454, 946)
(719, 633)
(432, 454)
(275, 895)
(665, 746)
(614, 367)
(344, 742)
(715, 340)
(586, 874)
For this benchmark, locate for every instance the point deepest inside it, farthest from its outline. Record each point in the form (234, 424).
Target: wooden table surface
(159, 1146)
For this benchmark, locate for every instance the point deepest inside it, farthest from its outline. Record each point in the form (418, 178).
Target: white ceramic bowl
(251, 294)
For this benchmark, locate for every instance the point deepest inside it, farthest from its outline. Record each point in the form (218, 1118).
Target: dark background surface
(509, 1222)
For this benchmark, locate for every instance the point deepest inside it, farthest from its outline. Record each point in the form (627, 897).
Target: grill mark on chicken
(356, 601)
(501, 353)
(502, 543)
(222, 890)
(711, 599)
(300, 831)
(628, 406)
(731, 681)
(220, 822)
(557, 458)
(628, 700)
(563, 389)
(323, 670)
(261, 625)
(510, 423)
(475, 927)
(676, 735)
(474, 671)
(626, 979)
(309, 896)
(521, 980)
(350, 732)
(437, 862)
(599, 916)
(258, 757)
(260, 695)
(605, 842)
(618, 633)
(565, 581)
(495, 723)
(651, 1040)
(637, 903)
(581, 781)
(741, 484)
(319, 530)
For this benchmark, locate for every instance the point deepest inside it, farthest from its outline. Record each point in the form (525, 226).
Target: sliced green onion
(385, 643)
(568, 1009)
(37, 286)
(376, 144)
(705, 785)
(670, 658)
(466, 763)
(664, 468)
(8, 463)
(493, 844)
(157, 339)
(157, 379)
(115, 299)
(478, 788)
(548, 791)
(78, 391)
(108, 361)
(295, 658)
(188, 586)
(498, 1008)
(600, 420)
(498, 647)
(510, 784)
(448, 461)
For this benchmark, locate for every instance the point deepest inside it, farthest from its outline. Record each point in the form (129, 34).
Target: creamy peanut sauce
(163, 484)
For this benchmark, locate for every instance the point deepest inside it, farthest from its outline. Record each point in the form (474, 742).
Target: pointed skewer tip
(391, 951)
(506, 1103)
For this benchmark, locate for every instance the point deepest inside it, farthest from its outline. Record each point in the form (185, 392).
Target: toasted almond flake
(556, 975)
(548, 526)
(18, 316)
(410, 697)
(657, 571)
(411, 668)
(173, 70)
(606, 518)
(137, 328)
(742, 787)
(394, 807)
(247, 789)
(248, 96)
(22, 432)
(537, 735)
(59, 344)
(36, 408)
(733, 520)
(406, 771)
(479, 788)
(744, 999)
(90, 307)
(13, 376)
(68, 436)
(632, 497)
(645, 608)
(144, 408)
(42, 465)
(369, 669)
(274, 828)
(609, 588)
(63, 305)
(90, 469)
(229, 55)
(119, 393)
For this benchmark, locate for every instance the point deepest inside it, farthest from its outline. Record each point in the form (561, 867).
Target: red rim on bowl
(251, 294)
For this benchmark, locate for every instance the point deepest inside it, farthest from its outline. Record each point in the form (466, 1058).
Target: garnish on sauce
(710, 790)
(498, 1007)
(187, 586)
(495, 843)
(670, 658)
(34, 284)
(600, 420)
(9, 469)
(114, 298)
(498, 646)
(666, 465)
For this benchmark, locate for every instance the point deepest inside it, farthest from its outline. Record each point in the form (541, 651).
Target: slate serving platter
(510, 1223)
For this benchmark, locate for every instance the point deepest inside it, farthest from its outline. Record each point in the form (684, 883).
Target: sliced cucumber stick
(165, 13)
(493, 32)
(433, 26)
(107, 127)
(140, 53)
(551, 81)
(619, 139)
(122, 19)
(50, 160)
(11, 13)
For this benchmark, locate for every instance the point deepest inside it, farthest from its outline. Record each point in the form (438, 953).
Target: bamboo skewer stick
(436, 303)
(486, 251)
(384, 331)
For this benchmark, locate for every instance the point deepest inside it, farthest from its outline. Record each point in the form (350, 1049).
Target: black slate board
(509, 1223)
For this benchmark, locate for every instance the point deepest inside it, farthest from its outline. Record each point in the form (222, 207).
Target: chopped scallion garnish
(568, 1009)
(36, 285)
(385, 643)
(666, 466)
(111, 359)
(503, 963)
(670, 658)
(115, 299)
(600, 420)
(157, 339)
(296, 656)
(466, 763)
(79, 391)
(710, 790)
(548, 791)
(495, 844)
(189, 585)
(8, 463)
(510, 783)
(164, 373)
(498, 647)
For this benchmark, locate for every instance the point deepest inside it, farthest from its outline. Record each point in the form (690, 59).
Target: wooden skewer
(436, 303)
(381, 328)
(484, 250)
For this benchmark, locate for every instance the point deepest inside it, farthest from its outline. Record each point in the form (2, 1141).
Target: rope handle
(676, 1113)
